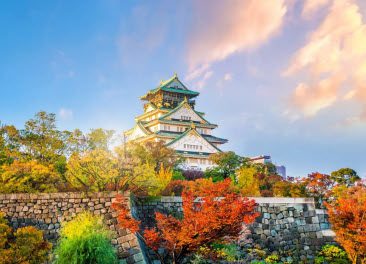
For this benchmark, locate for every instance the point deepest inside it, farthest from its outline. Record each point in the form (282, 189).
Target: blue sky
(285, 78)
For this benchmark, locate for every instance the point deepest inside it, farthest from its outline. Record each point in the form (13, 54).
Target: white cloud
(65, 114)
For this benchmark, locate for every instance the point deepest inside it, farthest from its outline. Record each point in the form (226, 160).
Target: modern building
(263, 159)
(170, 116)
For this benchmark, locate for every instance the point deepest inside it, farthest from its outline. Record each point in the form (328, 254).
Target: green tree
(345, 176)
(227, 162)
(41, 140)
(100, 138)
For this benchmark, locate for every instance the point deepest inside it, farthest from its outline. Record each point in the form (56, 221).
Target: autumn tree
(348, 218)
(319, 185)
(93, 170)
(28, 176)
(146, 181)
(25, 245)
(247, 182)
(209, 220)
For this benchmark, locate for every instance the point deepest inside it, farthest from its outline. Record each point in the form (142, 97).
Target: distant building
(264, 159)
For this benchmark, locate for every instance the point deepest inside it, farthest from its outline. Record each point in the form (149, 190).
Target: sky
(285, 78)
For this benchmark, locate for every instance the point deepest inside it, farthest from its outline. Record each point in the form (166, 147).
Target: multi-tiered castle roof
(170, 116)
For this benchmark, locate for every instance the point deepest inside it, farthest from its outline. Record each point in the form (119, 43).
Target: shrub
(178, 175)
(174, 188)
(85, 239)
(331, 254)
(25, 246)
(192, 175)
(272, 259)
(215, 174)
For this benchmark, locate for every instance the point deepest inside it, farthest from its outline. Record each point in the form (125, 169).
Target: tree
(345, 176)
(287, 188)
(147, 181)
(29, 177)
(25, 245)
(100, 139)
(267, 182)
(154, 153)
(348, 218)
(318, 185)
(41, 140)
(227, 162)
(247, 182)
(204, 222)
(94, 170)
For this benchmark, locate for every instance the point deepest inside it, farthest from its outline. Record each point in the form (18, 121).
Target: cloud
(201, 83)
(65, 114)
(223, 28)
(228, 77)
(332, 63)
(321, 95)
(311, 6)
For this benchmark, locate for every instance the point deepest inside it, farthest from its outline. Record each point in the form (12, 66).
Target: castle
(170, 116)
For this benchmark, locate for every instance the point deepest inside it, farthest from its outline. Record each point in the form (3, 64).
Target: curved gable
(189, 141)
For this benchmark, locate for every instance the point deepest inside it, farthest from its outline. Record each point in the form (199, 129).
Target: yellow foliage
(146, 179)
(93, 170)
(247, 183)
(83, 224)
(28, 176)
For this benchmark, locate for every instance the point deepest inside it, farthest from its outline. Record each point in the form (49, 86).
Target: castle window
(185, 118)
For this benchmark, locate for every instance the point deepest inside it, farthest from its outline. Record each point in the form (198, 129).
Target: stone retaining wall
(48, 211)
(288, 226)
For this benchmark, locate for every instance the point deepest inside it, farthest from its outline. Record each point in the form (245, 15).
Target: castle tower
(170, 116)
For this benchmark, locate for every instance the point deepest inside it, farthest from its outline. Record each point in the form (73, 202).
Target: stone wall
(48, 211)
(288, 226)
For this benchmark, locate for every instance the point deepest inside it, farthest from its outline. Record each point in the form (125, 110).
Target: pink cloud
(223, 28)
(334, 59)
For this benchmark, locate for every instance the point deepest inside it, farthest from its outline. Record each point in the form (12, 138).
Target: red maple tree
(206, 219)
(348, 218)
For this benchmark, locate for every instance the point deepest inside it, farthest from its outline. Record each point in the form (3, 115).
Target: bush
(272, 259)
(331, 254)
(25, 246)
(215, 174)
(178, 175)
(174, 188)
(85, 239)
(192, 175)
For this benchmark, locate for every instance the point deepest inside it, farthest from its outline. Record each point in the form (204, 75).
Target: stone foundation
(287, 226)
(48, 211)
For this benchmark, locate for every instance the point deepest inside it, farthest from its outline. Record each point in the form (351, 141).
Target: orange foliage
(319, 185)
(206, 219)
(348, 218)
(124, 217)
